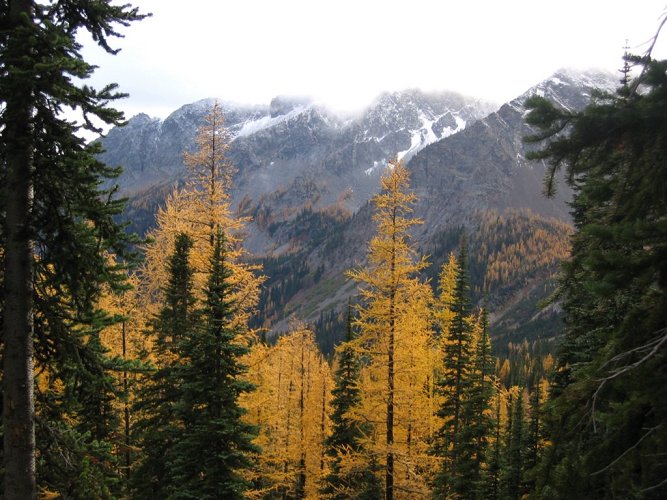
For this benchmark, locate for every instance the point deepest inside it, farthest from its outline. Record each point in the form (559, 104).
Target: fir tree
(214, 445)
(477, 424)
(56, 226)
(514, 466)
(605, 418)
(344, 444)
(533, 446)
(492, 488)
(454, 385)
(157, 430)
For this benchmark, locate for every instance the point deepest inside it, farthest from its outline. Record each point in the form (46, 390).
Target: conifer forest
(147, 367)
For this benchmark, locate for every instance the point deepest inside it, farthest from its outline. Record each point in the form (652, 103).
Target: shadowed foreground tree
(608, 408)
(56, 226)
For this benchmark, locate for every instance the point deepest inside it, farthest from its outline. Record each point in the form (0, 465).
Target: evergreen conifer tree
(494, 469)
(606, 415)
(533, 447)
(514, 466)
(454, 386)
(157, 430)
(56, 226)
(356, 479)
(477, 423)
(214, 445)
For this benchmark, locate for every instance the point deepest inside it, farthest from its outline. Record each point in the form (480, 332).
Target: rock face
(151, 150)
(484, 167)
(292, 152)
(463, 181)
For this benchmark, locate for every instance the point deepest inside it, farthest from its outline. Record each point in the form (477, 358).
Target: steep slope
(484, 167)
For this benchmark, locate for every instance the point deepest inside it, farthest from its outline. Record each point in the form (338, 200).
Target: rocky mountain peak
(294, 153)
(571, 89)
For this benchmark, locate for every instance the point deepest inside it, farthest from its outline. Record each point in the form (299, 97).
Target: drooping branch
(647, 57)
(652, 347)
(615, 461)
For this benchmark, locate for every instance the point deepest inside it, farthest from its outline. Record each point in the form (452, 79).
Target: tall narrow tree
(56, 223)
(157, 429)
(514, 466)
(454, 383)
(477, 423)
(386, 286)
(211, 374)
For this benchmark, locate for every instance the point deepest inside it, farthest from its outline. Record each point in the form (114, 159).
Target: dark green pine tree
(513, 472)
(455, 386)
(215, 445)
(56, 226)
(157, 430)
(346, 433)
(495, 462)
(607, 411)
(477, 423)
(533, 433)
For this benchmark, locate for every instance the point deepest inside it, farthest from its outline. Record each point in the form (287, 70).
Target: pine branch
(656, 486)
(647, 58)
(654, 346)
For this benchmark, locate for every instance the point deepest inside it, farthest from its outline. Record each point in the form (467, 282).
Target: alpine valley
(305, 175)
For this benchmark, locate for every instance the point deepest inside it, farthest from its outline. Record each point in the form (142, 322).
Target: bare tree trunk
(18, 400)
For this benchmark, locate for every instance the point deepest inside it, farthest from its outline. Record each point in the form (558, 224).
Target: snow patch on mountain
(377, 165)
(253, 126)
(425, 135)
(570, 89)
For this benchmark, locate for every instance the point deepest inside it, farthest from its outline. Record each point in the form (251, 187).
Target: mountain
(484, 167)
(305, 175)
(288, 154)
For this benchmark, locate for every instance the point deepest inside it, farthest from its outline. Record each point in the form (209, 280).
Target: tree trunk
(389, 478)
(18, 401)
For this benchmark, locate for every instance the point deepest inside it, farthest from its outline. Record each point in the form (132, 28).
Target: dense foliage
(57, 232)
(164, 389)
(608, 407)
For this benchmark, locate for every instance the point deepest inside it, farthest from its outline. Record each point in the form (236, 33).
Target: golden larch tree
(196, 210)
(395, 331)
(290, 406)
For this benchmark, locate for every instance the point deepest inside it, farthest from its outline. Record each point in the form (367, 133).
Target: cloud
(346, 52)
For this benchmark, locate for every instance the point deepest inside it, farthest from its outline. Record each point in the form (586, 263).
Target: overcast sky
(345, 52)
